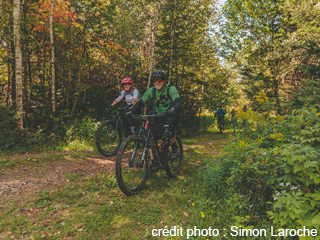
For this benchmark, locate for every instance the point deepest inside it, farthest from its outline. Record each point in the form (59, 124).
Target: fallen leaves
(47, 235)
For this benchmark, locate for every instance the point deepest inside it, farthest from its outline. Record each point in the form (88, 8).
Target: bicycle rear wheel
(131, 169)
(174, 166)
(108, 137)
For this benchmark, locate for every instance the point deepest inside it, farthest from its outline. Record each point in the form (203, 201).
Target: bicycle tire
(106, 147)
(174, 171)
(125, 173)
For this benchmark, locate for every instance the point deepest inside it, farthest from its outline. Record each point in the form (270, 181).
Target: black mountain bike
(221, 123)
(132, 165)
(109, 134)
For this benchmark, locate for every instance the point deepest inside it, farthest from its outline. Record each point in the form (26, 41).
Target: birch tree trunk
(18, 60)
(53, 80)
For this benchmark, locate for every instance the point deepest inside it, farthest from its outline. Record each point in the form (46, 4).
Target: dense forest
(64, 60)
(61, 64)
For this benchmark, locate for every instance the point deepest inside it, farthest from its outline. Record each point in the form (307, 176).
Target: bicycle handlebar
(151, 116)
(123, 108)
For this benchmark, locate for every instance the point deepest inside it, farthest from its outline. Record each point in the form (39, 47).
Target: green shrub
(84, 129)
(273, 168)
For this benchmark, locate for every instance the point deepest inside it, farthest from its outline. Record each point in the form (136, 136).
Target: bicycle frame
(151, 132)
(118, 119)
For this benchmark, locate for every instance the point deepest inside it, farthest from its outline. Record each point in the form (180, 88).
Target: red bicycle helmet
(127, 80)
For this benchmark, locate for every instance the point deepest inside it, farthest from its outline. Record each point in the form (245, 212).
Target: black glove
(109, 108)
(170, 112)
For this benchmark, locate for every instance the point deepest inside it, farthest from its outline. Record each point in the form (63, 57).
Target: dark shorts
(171, 121)
(221, 120)
(130, 121)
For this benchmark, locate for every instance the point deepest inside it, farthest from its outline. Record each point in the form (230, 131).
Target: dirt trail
(20, 180)
(26, 180)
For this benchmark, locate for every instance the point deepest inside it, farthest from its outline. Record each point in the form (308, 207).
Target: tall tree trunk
(24, 56)
(153, 42)
(8, 99)
(12, 62)
(77, 89)
(18, 60)
(30, 76)
(25, 81)
(44, 71)
(153, 39)
(172, 39)
(1, 9)
(202, 90)
(69, 62)
(53, 80)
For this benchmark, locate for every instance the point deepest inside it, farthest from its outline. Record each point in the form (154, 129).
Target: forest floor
(74, 195)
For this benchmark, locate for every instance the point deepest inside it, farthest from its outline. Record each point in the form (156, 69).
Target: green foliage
(8, 132)
(273, 168)
(206, 121)
(297, 202)
(245, 170)
(84, 129)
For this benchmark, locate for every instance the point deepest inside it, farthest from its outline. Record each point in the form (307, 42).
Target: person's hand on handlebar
(170, 112)
(130, 106)
(109, 108)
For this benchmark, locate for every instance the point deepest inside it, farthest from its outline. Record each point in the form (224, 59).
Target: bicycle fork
(145, 149)
(115, 130)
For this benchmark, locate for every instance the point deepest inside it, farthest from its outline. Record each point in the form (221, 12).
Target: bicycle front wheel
(108, 138)
(132, 165)
(174, 166)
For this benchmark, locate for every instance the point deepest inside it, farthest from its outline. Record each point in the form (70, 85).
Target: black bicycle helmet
(159, 74)
(220, 106)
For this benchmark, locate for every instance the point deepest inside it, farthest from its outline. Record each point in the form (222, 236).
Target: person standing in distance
(244, 121)
(165, 99)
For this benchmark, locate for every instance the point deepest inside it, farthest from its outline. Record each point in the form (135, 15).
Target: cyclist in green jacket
(165, 98)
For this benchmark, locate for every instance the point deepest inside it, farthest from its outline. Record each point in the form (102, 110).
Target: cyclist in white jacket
(131, 96)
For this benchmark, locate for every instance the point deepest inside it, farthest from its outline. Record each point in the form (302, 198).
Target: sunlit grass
(94, 207)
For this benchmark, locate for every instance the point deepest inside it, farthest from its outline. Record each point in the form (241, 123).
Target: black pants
(170, 122)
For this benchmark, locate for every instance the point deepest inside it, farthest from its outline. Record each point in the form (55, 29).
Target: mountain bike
(132, 164)
(221, 123)
(109, 134)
